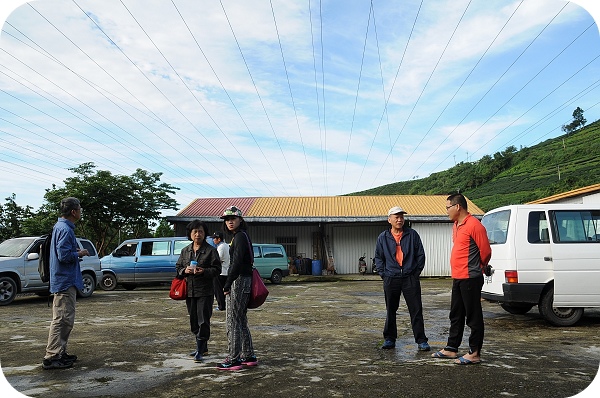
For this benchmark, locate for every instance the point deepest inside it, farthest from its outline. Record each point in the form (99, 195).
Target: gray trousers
(63, 319)
(239, 340)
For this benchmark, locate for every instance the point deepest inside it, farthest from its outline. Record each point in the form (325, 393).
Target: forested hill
(514, 176)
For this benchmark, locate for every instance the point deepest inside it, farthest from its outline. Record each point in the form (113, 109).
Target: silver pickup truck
(19, 268)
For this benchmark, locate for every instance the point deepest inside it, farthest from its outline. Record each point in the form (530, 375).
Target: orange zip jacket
(471, 250)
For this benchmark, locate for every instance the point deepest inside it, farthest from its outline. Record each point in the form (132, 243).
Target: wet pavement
(314, 337)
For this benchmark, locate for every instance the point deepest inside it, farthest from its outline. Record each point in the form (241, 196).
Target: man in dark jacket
(399, 260)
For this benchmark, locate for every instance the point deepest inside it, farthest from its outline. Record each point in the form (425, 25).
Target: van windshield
(496, 225)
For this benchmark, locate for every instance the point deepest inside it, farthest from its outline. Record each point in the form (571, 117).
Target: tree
(115, 205)
(11, 218)
(578, 121)
(164, 229)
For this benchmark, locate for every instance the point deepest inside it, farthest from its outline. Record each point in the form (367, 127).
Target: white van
(546, 255)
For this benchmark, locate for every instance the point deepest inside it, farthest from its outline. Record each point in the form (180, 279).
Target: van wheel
(516, 309)
(108, 282)
(8, 290)
(276, 277)
(563, 316)
(89, 283)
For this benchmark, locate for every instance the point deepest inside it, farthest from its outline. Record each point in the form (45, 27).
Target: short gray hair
(69, 204)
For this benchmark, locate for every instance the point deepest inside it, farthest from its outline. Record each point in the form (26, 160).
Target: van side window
(126, 250)
(577, 226)
(256, 251)
(272, 252)
(537, 228)
(155, 248)
(496, 226)
(180, 244)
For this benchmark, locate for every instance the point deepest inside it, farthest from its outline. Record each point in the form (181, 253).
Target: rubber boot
(200, 349)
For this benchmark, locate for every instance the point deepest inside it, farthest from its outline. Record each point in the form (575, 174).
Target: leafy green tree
(578, 121)
(164, 229)
(115, 205)
(11, 218)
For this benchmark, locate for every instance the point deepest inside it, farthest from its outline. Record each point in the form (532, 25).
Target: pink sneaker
(230, 365)
(250, 361)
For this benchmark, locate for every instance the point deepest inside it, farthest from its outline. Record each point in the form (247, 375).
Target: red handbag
(178, 289)
(258, 290)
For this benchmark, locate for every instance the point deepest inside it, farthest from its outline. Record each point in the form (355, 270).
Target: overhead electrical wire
(424, 88)
(314, 57)
(494, 85)
(516, 93)
(243, 158)
(108, 132)
(356, 96)
(458, 89)
(390, 93)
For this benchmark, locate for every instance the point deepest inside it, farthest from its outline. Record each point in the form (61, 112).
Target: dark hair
(243, 226)
(458, 198)
(67, 205)
(195, 224)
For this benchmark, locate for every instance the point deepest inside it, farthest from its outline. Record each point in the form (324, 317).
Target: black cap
(217, 235)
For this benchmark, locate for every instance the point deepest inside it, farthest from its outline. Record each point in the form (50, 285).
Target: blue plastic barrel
(316, 267)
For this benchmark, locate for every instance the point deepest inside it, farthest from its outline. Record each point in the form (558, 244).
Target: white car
(19, 268)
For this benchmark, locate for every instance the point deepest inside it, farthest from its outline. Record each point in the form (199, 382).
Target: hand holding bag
(178, 289)
(258, 290)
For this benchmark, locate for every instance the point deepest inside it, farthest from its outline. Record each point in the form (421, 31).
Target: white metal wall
(437, 241)
(350, 241)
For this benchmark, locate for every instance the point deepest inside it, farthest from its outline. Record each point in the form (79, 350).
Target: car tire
(89, 284)
(276, 277)
(563, 316)
(8, 290)
(516, 309)
(108, 282)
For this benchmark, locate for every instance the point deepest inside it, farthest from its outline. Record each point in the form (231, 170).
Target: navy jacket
(412, 248)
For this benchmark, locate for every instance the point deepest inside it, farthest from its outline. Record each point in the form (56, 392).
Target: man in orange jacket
(471, 252)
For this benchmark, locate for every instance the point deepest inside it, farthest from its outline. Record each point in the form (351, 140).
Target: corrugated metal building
(585, 195)
(334, 229)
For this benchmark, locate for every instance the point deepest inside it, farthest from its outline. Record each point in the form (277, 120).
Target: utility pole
(558, 172)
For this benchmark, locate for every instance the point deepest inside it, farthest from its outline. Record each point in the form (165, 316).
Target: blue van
(141, 261)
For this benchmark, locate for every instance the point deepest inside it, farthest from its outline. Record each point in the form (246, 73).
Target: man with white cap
(399, 260)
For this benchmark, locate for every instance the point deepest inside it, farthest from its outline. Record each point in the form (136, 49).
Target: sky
(237, 98)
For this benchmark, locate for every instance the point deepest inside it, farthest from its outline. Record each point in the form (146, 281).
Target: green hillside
(514, 176)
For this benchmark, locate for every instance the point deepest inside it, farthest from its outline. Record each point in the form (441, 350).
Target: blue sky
(198, 90)
(284, 98)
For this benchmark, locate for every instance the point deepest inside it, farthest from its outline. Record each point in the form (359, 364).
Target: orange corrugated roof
(324, 206)
(569, 194)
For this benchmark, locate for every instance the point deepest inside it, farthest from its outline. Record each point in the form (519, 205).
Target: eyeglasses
(448, 207)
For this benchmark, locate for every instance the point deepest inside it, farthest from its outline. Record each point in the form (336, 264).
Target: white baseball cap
(396, 210)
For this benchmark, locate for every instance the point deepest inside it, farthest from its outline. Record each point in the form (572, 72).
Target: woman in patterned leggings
(237, 293)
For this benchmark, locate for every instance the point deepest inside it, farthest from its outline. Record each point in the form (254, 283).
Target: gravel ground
(315, 337)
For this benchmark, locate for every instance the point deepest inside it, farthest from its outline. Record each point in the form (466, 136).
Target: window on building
(290, 245)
